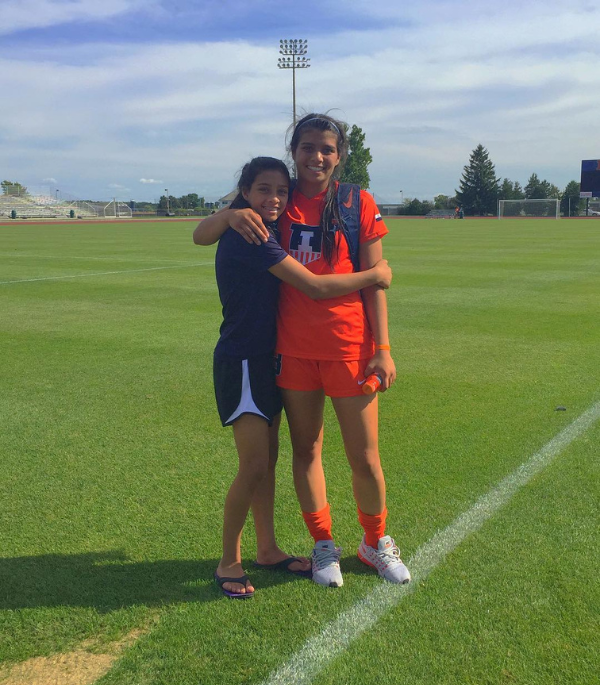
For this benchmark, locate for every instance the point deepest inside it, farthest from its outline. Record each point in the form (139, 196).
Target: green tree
(356, 169)
(13, 188)
(540, 190)
(444, 202)
(506, 190)
(518, 192)
(534, 189)
(417, 208)
(189, 201)
(571, 200)
(479, 186)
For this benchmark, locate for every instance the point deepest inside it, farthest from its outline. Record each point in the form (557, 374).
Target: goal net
(546, 209)
(117, 210)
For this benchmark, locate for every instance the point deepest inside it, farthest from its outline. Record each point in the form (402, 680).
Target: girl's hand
(383, 365)
(249, 225)
(383, 273)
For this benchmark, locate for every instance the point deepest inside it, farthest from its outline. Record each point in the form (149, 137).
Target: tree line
(478, 193)
(479, 187)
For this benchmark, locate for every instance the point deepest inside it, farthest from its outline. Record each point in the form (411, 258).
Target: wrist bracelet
(382, 347)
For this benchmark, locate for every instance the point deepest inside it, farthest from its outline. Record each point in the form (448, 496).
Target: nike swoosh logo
(348, 202)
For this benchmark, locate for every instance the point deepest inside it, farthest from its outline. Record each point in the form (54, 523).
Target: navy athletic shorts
(246, 386)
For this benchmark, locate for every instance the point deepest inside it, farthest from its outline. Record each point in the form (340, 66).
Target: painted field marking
(109, 258)
(106, 273)
(317, 652)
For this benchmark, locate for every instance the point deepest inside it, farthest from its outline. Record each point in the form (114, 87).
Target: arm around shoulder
(245, 221)
(210, 229)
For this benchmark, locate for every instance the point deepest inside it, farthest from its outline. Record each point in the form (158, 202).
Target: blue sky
(128, 97)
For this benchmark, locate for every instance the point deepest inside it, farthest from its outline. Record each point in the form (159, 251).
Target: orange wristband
(382, 347)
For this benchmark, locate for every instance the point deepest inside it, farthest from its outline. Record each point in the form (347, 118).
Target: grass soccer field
(114, 468)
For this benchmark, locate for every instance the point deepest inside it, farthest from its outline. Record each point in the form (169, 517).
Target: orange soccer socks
(373, 525)
(319, 523)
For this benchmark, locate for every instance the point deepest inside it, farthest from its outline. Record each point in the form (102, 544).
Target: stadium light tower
(167, 192)
(293, 51)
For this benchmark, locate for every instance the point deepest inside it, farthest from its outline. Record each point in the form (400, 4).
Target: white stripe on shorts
(247, 404)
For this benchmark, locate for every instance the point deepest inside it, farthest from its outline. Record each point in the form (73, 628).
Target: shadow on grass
(107, 581)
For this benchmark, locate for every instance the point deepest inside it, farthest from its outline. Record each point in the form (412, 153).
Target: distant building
(227, 199)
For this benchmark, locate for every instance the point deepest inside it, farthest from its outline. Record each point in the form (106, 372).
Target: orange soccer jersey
(332, 329)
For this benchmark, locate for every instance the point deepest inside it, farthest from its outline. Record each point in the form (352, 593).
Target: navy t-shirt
(248, 293)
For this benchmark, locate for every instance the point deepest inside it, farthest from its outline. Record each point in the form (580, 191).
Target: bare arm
(245, 221)
(376, 309)
(331, 285)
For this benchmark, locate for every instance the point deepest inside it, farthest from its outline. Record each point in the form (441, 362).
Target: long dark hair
(330, 216)
(249, 173)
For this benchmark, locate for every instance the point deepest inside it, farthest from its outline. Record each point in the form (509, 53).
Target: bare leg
(304, 411)
(252, 442)
(358, 419)
(268, 552)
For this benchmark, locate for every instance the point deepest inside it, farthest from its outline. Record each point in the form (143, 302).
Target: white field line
(319, 651)
(106, 273)
(109, 258)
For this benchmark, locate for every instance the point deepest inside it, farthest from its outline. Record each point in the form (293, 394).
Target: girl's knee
(253, 471)
(306, 457)
(369, 466)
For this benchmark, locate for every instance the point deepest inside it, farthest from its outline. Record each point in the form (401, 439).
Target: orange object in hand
(372, 384)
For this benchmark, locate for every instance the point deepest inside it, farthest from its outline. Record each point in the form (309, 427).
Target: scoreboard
(590, 178)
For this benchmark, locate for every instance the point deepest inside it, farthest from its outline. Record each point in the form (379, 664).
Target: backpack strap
(348, 198)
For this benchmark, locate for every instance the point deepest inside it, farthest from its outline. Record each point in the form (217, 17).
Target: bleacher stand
(440, 214)
(30, 207)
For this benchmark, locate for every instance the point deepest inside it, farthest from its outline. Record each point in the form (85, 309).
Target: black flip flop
(242, 580)
(284, 565)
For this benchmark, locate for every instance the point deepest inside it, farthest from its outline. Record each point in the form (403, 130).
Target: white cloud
(18, 15)
(438, 80)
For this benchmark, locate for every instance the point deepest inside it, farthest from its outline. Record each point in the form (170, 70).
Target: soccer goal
(544, 209)
(117, 210)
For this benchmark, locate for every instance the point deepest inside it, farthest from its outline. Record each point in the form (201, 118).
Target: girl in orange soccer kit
(328, 348)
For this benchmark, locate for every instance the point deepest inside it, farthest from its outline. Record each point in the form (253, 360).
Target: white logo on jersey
(305, 243)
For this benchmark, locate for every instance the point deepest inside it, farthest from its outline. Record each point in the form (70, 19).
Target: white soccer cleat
(326, 564)
(386, 559)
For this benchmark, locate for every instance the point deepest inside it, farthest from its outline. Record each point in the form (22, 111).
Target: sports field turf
(114, 466)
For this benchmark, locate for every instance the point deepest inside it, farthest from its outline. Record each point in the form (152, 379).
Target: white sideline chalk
(106, 273)
(320, 650)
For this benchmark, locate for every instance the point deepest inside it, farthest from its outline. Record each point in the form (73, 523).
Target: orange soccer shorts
(336, 378)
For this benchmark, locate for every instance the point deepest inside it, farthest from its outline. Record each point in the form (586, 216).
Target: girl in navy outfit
(248, 277)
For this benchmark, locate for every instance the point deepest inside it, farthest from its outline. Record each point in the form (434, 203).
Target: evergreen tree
(479, 186)
(571, 200)
(533, 188)
(359, 157)
(507, 190)
(540, 190)
(518, 192)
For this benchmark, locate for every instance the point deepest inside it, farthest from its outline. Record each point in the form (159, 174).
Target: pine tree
(359, 157)
(479, 186)
(571, 202)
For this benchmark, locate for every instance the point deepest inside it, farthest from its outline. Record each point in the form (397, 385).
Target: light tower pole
(293, 52)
